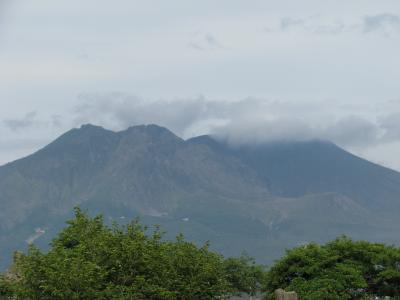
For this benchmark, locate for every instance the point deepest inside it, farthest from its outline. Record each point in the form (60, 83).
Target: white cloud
(251, 120)
(357, 128)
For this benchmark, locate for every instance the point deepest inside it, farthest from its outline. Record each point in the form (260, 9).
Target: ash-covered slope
(255, 198)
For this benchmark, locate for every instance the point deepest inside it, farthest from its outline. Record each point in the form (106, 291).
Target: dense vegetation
(341, 269)
(89, 260)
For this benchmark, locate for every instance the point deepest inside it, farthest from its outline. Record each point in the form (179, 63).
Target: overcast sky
(251, 70)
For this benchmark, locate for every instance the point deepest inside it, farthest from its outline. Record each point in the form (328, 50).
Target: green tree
(341, 269)
(244, 275)
(5, 288)
(89, 260)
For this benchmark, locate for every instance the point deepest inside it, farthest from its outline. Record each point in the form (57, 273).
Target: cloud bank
(250, 120)
(368, 130)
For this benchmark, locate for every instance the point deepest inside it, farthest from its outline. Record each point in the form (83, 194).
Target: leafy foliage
(244, 274)
(89, 260)
(341, 269)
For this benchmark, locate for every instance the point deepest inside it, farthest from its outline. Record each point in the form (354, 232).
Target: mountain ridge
(260, 198)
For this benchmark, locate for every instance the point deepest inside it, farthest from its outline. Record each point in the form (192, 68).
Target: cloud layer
(250, 120)
(360, 128)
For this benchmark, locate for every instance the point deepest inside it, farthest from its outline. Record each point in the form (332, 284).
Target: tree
(5, 288)
(89, 260)
(341, 269)
(244, 275)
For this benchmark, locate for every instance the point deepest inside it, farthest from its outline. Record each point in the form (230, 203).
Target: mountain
(260, 199)
(295, 169)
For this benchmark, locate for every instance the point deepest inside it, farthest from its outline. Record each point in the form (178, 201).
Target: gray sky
(251, 70)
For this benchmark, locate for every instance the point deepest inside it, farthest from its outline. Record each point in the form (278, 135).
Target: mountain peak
(150, 130)
(89, 126)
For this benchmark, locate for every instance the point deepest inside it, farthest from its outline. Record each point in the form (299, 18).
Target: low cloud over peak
(251, 120)
(358, 127)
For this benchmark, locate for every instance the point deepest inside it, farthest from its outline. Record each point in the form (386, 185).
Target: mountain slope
(144, 170)
(261, 199)
(295, 169)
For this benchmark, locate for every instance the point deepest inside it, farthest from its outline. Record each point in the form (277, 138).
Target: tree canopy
(89, 260)
(341, 269)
